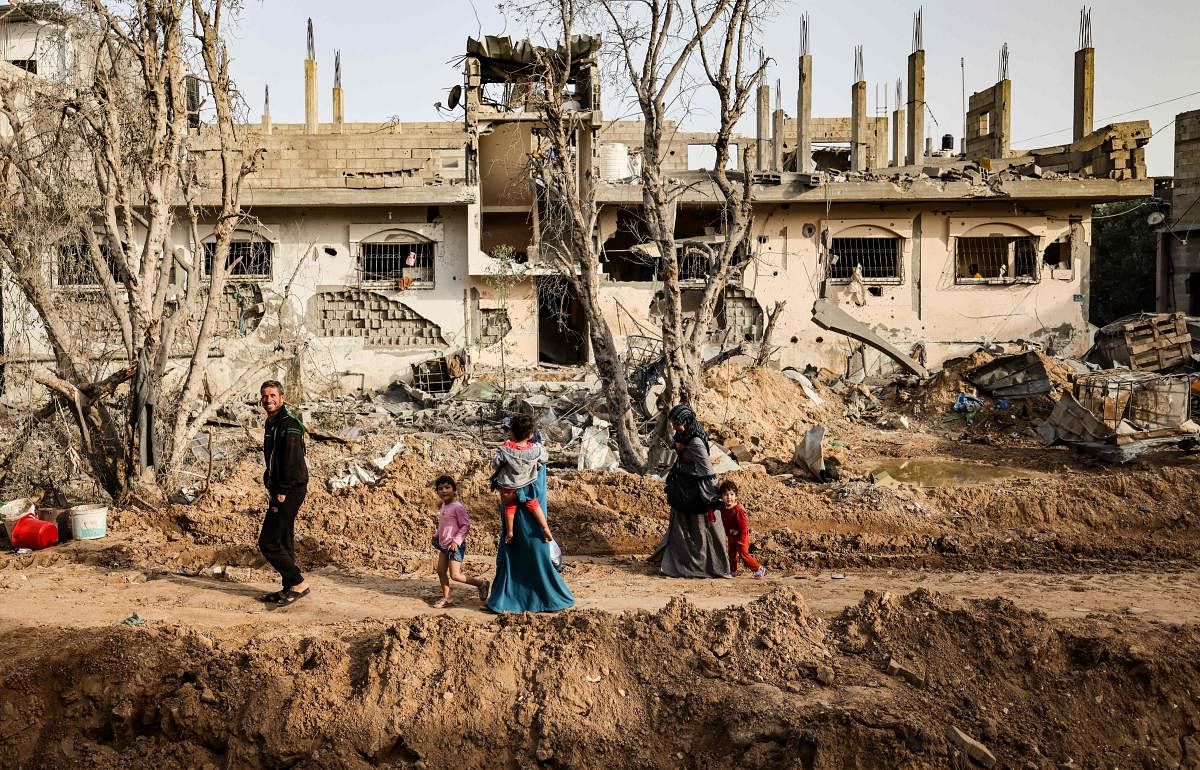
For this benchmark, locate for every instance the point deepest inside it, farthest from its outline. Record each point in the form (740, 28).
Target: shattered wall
(381, 322)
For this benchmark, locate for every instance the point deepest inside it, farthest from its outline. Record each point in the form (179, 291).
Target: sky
(398, 59)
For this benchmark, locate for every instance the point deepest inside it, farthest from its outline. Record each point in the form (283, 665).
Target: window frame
(244, 234)
(56, 266)
(400, 234)
(873, 229)
(1035, 259)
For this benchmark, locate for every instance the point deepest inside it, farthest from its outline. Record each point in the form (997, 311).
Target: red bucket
(33, 533)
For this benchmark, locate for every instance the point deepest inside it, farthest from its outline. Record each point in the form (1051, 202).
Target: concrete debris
(721, 461)
(353, 477)
(383, 461)
(971, 747)
(1019, 376)
(805, 385)
(896, 669)
(594, 452)
(829, 316)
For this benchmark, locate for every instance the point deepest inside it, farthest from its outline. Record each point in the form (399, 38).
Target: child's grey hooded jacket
(516, 468)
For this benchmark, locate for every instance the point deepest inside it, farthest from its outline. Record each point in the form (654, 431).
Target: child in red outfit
(516, 464)
(737, 530)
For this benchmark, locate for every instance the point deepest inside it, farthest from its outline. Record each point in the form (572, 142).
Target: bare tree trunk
(766, 348)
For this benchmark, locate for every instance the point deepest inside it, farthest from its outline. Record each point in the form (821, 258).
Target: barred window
(693, 264)
(247, 259)
(395, 261)
(75, 266)
(996, 259)
(879, 259)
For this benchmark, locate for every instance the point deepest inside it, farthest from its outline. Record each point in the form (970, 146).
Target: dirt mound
(763, 409)
(743, 687)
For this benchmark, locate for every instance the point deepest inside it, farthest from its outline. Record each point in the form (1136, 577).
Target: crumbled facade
(375, 242)
(1178, 252)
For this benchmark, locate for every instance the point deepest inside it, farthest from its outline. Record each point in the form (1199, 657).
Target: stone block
(971, 747)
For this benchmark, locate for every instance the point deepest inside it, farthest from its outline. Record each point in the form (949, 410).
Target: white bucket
(89, 522)
(13, 510)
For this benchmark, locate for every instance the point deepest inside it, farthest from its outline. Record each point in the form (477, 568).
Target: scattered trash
(1019, 376)
(967, 403)
(133, 620)
(594, 452)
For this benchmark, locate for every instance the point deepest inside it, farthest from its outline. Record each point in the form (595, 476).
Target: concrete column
(858, 126)
(310, 96)
(339, 104)
(1085, 91)
(1001, 120)
(916, 107)
(310, 84)
(777, 139)
(898, 137)
(764, 127)
(804, 116)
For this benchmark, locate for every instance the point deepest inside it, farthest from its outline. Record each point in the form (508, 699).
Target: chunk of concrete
(829, 316)
(971, 747)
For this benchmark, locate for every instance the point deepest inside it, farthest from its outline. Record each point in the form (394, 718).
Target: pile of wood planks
(1152, 342)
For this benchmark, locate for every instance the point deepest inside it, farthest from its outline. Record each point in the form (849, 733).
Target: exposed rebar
(858, 63)
(1002, 69)
(804, 34)
(337, 69)
(312, 47)
(918, 37)
(1085, 27)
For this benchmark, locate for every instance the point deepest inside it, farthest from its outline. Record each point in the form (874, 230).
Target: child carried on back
(517, 462)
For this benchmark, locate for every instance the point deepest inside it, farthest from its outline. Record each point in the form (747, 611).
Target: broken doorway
(562, 328)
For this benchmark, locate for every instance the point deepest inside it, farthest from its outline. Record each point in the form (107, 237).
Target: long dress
(526, 580)
(694, 547)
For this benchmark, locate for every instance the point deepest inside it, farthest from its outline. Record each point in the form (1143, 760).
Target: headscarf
(683, 414)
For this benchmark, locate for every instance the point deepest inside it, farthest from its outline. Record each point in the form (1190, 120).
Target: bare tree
(656, 44)
(101, 165)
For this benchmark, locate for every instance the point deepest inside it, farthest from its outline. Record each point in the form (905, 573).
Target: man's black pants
(277, 539)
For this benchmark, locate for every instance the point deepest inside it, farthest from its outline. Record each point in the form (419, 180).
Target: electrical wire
(1117, 115)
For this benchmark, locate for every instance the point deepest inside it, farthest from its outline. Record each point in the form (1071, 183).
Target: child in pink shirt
(450, 541)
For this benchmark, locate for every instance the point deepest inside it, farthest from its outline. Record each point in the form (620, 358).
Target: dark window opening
(621, 261)
(562, 327)
(996, 259)
(1058, 254)
(75, 266)
(879, 259)
(1193, 290)
(246, 259)
(396, 261)
(29, 65)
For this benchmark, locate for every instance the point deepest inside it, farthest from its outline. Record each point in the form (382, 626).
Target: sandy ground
(82, 596)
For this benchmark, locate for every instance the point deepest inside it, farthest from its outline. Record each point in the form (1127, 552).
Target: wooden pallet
(1151, 342)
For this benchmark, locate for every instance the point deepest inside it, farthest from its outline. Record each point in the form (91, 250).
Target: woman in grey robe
(694, 545)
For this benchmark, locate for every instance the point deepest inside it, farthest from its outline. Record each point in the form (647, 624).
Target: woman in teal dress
(526, 579)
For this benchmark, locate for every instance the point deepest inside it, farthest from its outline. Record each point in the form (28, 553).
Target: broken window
(1057, 255)
(996, 259)
(246, 259)
(75, 267)
(879, 259)
(393, 261)
(29, 65)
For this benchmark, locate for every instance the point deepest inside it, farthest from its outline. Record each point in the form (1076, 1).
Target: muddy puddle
(946, 473)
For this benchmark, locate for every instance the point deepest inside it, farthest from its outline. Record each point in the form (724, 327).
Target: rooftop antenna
(918, 36)
(312, 48)
(804, 35)
(1002, 70)
(337, 69)
(1085, 27)
(858, 63)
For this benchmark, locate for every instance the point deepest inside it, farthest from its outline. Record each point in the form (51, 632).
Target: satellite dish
(455, 97)
(1155, 218)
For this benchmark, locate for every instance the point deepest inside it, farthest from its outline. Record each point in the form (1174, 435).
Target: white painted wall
(49, 44)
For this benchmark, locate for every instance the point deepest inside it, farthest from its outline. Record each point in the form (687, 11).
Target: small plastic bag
(556, 555)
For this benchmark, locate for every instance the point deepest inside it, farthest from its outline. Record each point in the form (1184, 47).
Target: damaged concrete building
(377, 241)
(1178, 286)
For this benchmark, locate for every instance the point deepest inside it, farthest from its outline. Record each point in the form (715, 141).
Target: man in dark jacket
(286, 480)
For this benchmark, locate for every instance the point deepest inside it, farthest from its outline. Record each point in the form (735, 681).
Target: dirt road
(83, 596)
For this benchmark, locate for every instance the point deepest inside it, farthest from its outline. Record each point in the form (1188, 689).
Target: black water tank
(948, 142)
